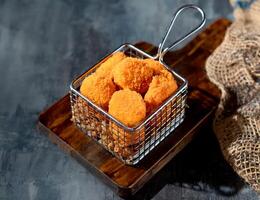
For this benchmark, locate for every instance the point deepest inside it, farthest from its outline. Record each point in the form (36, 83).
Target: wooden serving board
(202, 100)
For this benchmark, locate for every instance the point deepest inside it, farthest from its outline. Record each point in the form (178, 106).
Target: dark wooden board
(202, 100)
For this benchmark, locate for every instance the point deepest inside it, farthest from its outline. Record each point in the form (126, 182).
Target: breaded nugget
(98, 89)
(128, 107)
(105, 69)
(155, 65)
(161, 87)
(134, 74)
(158, 68)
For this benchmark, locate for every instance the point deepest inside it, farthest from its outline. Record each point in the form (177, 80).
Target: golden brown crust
(134, 74)
(161, 87)
(98, 89)
(106, 68)
(155, 65)
(128, 107)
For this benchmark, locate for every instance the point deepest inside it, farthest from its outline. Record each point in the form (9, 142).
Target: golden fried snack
(134, 74)
(158, 68)
(106, 68)
(129, 108)
(98, 89)
(155, 65)
(161, 87)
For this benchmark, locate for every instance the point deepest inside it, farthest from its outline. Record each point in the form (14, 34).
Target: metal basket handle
(161, 52)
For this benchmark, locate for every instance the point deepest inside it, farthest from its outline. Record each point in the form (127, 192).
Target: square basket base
(202, 100)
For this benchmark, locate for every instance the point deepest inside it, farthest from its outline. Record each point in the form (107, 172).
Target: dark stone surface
(43, 45)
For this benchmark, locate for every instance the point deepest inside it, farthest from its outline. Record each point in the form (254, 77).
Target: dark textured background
(43, 45)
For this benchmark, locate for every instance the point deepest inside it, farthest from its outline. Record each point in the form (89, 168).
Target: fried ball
(98, 89)
(106, 67)
(134, 74)
(158, 68)
(155, 65)
(128, 107)
(161, 87)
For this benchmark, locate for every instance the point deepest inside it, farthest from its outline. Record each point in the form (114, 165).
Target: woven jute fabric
(234, 67)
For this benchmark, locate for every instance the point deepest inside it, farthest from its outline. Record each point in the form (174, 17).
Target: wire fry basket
(132, 144)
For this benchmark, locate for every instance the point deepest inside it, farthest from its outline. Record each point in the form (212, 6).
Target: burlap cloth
(234, 67)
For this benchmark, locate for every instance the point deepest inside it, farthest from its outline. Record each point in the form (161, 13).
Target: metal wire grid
(128, 144)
